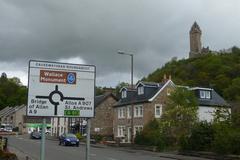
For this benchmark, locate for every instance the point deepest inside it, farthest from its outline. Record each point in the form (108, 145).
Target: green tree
(180, 113)
(233, 91)
(12, 92)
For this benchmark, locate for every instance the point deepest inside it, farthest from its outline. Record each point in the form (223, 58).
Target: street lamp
(132, 110)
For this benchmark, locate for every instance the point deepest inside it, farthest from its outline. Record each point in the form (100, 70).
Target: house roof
(216, 100)
(99, 99)
(151, 90)
(10, 110)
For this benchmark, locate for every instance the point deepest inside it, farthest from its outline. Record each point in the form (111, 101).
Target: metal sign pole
(88, 139)
(42, 156)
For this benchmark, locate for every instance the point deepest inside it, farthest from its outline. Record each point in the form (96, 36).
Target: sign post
(60, 90)
(88, 139)
(42, 156)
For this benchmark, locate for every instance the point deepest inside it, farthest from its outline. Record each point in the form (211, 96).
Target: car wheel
(77, 145)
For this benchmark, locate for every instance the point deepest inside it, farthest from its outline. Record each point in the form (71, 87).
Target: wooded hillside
(219, 71)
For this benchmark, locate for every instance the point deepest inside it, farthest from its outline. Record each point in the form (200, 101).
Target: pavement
(20, 154)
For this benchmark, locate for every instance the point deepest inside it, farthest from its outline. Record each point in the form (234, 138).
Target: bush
(7, 156)
(151, 136)
(202, 135)
(226, 139)
(79, 136)
(97, 138)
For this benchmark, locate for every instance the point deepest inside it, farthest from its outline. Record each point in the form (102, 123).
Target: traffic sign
(60, 89)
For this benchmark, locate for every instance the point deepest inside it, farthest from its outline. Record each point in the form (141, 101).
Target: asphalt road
(55, 152)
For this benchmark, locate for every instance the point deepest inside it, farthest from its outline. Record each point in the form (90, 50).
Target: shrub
(152, 135)
(226, 139)
(97, 137)
(202, 135)
(7, 156)
(79, 136)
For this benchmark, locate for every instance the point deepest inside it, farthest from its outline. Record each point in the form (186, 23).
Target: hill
(219, 71)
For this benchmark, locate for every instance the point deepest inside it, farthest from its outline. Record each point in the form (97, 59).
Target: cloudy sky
(92, 31)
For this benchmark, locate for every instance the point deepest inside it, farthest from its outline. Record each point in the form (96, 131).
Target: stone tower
(195, 41)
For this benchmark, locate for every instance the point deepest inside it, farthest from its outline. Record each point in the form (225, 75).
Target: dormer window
(124, 93)
(205, 94)
(140, 90)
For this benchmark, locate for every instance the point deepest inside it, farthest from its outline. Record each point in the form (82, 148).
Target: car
(68, 139)
(35, 135)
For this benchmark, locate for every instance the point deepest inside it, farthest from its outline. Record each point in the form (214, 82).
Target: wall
(102, 123)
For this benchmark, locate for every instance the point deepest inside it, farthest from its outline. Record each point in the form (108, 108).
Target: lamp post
(132, 109)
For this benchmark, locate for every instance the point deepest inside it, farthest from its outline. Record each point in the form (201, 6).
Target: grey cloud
(153, 30)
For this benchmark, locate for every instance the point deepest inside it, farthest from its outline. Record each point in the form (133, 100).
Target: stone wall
(102, 123)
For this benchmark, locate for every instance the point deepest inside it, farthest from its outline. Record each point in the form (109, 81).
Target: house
(209, 101)
(15, 117)
(148, 101)
(102, 123)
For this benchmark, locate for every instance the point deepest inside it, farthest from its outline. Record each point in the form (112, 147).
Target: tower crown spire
(195, 28)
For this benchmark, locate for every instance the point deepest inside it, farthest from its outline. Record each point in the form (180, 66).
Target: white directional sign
(60, 89)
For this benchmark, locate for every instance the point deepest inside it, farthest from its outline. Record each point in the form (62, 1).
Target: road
(56, 152)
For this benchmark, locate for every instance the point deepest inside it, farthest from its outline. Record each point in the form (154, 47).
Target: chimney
(170, 77)
(108, 91)
(165, 78)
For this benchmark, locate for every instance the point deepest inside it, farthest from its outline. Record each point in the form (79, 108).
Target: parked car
(68, 139)
(35, 135)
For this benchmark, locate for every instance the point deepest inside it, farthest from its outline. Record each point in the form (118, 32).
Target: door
(129, 134)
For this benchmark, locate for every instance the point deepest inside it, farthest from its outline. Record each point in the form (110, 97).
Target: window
(121, 112)
(205, 94)
(129, 111)
(158, 111)
(121, 131)
(138, 129)
(138, 111)
(140, 90)
(168, 91)
(124, 93)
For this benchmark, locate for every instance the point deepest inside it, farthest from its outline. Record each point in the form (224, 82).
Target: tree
(12, 92)
(119, 87)
(180, 113)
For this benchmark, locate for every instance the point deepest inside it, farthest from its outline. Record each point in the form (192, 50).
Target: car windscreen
(70, 135)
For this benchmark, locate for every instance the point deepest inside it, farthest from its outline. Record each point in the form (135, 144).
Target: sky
(93, 31)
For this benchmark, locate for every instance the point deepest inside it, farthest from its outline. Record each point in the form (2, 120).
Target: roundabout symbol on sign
(60, 94)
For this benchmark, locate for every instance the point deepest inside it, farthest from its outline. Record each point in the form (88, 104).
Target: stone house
(148, 101)
(102, 123)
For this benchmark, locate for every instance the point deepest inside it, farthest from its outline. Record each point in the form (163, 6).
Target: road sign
(60, 89)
